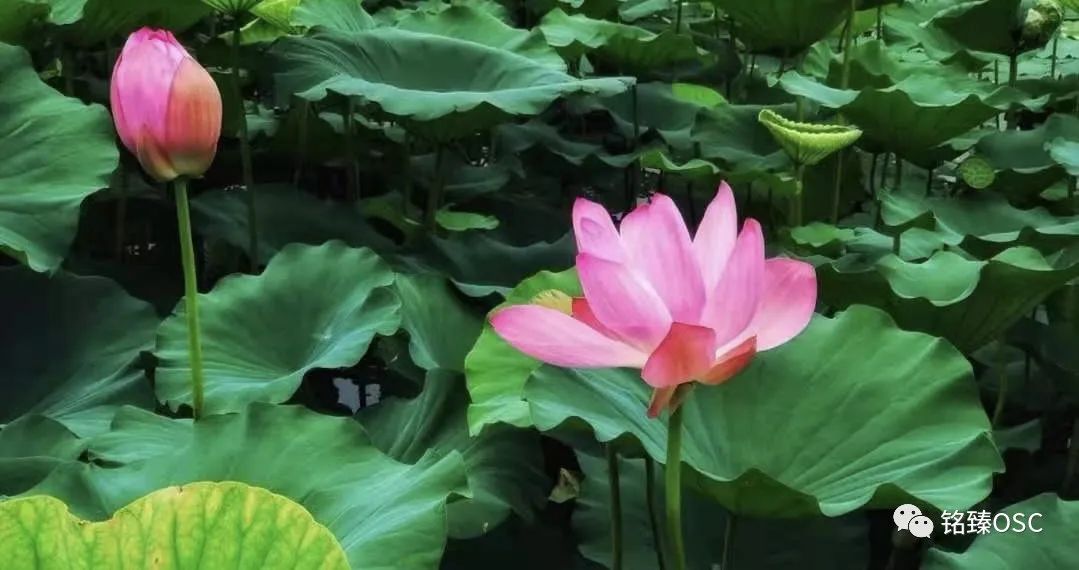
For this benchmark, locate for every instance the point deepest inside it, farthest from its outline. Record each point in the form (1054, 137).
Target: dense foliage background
(412, 165)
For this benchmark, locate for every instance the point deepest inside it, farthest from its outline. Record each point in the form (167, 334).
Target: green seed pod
(977, 173)
(807, 143)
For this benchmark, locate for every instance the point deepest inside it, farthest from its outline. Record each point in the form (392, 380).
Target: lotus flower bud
(166, 107)
(1042, 20)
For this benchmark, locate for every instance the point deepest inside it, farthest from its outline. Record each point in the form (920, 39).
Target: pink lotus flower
(681, 309)
(166, 107)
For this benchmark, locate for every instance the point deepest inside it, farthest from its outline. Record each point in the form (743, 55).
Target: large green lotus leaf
(443, 87)
(385, 514)
(135, 434)
(786, 27)
(18, 16)
(496, 373)
(1050, 548)
(441, 328)
(482, 27)
(504, 464)
(625, 45)
(232, 6)
(659, 107)
(480, 264)
(995, 26)
(733, 138)
(857, 428)
(341, 15)
(104, 19)
(201, 526)
(986, 224)
(515, 138)
(969, 302)
(67, 343)
(916, 113)
(761, 544)
(312, 307)
(57, 151)
(912, 38)
(31, 447)
(286, 215)
(1024, 161)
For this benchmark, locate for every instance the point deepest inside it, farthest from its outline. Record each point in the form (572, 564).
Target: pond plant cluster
(539, 284)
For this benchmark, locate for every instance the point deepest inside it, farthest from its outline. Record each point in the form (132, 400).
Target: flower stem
(301, 150)
(650, 500)
(247, 171)
(434, 193)
(616, 507)
(673, 482)
(728, 542)
(848, 33)
(796, 200)
(191, 295)
(1073, 461)
(1012, 115)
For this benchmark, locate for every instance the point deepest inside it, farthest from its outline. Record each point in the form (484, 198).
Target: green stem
(873, 174)
(673, 482)
(1072, 182)
(653, 514)
(191, 295)
(897, 243)
(352, 172)
(616, 507)
(247, 171)
(678, 17)
(1013, 75)
(633, 189)
(844, 81)
(1073, 460)
(880, 22)
(434, 194)
(796, 200)
(1053, 60)
(1002, 388)
(301, 146)
(406, 171)
(728, 542)
(884, 171)
(120, 238)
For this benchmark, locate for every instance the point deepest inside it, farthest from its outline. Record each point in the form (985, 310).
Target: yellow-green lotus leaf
(201, 526)
(808, 143)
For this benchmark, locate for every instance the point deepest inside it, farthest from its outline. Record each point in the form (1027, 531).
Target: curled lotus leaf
(808, 143)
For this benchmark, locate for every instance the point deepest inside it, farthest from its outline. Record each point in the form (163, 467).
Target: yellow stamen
(554, 299)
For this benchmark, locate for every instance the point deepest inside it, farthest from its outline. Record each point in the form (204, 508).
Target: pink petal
(734, 302)
(659, 246)
(787, 303)
(716, 235)
(595, 232)
(141, 83)
(557, 338)
(193, 122)
(623, 302)
(731, 362)
(583, 312)
(685, 353)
